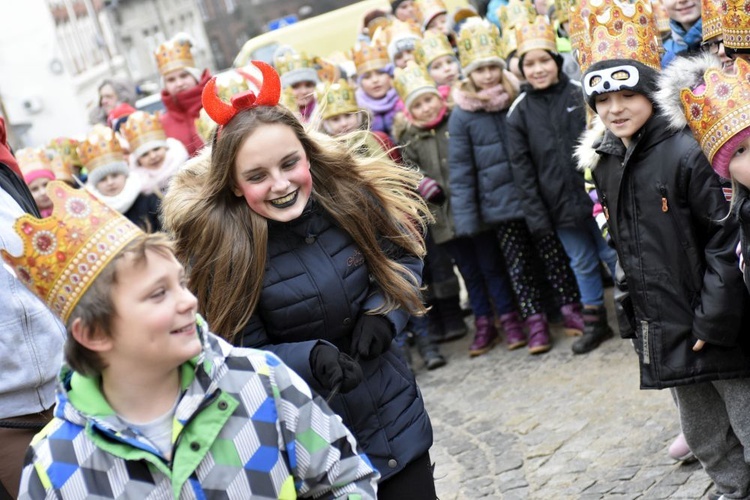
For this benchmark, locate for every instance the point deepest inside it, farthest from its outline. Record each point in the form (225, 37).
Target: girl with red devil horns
(296, 244)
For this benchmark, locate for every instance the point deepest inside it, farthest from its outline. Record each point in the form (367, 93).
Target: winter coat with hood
(182, 111)
(543, 129)
(248, 428)
(315, 288)
(427, 148)
(481, 180)
(666, 212)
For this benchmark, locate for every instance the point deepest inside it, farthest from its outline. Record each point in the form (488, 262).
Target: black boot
(596, 330)
(451, 318)
(429, 352)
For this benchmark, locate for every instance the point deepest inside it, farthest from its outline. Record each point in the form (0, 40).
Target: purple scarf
(381, 110)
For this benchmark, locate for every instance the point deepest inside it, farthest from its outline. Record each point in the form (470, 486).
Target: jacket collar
(556, 88)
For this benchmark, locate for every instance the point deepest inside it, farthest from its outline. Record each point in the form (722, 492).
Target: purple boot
(485, 337)
(572, 319)
(539, 339)
(513, 328)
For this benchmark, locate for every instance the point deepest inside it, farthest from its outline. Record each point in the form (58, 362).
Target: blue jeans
(480, 262)
(586, 246)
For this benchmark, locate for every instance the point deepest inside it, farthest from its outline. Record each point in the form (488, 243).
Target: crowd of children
(327, 213)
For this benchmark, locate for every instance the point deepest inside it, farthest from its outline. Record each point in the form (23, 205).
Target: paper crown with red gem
(735, 22)
(174, 54)
(144, 132)
(221, 111)
(64, 253)
(538, 34)
(719, 112)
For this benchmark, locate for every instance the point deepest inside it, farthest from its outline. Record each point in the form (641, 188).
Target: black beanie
(618, 74)
(395, 4)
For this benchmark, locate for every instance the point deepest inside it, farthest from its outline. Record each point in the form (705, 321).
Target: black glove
(331, 367)
(372, 336)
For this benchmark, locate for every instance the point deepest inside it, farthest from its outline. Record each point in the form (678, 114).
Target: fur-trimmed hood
(184, 193)
(682, 73)
(585, 152)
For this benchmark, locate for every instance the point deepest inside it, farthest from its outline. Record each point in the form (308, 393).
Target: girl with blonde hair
(296, 245)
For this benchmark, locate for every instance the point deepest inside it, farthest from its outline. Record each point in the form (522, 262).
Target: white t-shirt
(158, 431)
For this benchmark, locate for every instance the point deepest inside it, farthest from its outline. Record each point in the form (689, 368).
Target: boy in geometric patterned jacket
(150, 404)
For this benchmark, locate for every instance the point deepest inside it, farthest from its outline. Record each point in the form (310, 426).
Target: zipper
(645, 343)
(605, 208)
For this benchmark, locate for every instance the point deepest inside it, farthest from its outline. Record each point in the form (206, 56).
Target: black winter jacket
(742, 210)
(543, 128)
(315, 287)
(144, 212)
(665, 208)
(481, 181)
(17, 188)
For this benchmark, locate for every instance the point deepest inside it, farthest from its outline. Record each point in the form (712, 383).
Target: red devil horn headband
(221, 112)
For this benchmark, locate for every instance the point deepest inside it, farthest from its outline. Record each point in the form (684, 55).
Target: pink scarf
(491, 100)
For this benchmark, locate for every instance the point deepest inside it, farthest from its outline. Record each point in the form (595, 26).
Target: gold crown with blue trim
(64, 253)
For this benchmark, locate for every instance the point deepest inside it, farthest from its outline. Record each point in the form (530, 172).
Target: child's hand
(698, 345)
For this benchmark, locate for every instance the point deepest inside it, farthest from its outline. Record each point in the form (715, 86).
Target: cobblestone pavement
(555, 426)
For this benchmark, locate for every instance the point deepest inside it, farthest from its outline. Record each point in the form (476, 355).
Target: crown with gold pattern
(711, 11)
(662, 18)
(174, 54)
(579, 30)
(735, 22)
(720, 111)
(479, 43)
(35, 163)
(64, 253)
(537, 35)
(67, 148)
(432, 46)
(510, 43)
(515, 12)
(623, 31)
(144, 132)
(372, 56)
(412, 81)
(62, 169)
(427, 10)
(339, 99)
(101, 147)
(288, 101)
(291, 61)
(562, 10)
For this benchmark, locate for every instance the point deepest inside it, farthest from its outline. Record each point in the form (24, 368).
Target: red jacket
(182, 111)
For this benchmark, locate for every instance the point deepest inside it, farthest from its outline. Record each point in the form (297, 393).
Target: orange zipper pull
(664, 205)
(606, 212)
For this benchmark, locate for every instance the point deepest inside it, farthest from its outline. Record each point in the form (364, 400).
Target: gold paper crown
(370, 57)
(479, 41)
(380, 22)
(174, 54)
(578, 29)
(292, 61)
(721, 110)
(410, 79)
(562, 10)
(515, 12)
(735, 24)
(510, 42)
(327, 70)
(101, 147)
(67, 149)
(711, 11)
(399, 29)
(205, 126)
(536, 35)
(624, 31)
(288, 100)
(338, 100)
(142, 128)
(64, 253)
(662, 18)
(427, 10)
(432, 46)
(33, 159)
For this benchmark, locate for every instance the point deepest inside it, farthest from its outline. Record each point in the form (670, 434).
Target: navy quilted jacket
(481, 182)
(315, 287)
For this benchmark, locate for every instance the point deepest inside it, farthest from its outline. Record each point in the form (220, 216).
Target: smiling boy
(149, 403)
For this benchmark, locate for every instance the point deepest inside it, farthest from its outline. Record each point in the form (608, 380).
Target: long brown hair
(223, 243)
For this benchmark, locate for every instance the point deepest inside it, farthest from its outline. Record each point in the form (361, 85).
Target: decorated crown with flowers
(721, 109)
(64, 253)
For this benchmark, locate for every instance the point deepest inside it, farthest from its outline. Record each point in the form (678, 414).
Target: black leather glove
(331, 367)
(372, 336)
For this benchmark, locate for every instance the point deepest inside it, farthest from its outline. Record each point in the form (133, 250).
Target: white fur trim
(682, 73)
(99, 173)
(585, 154)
